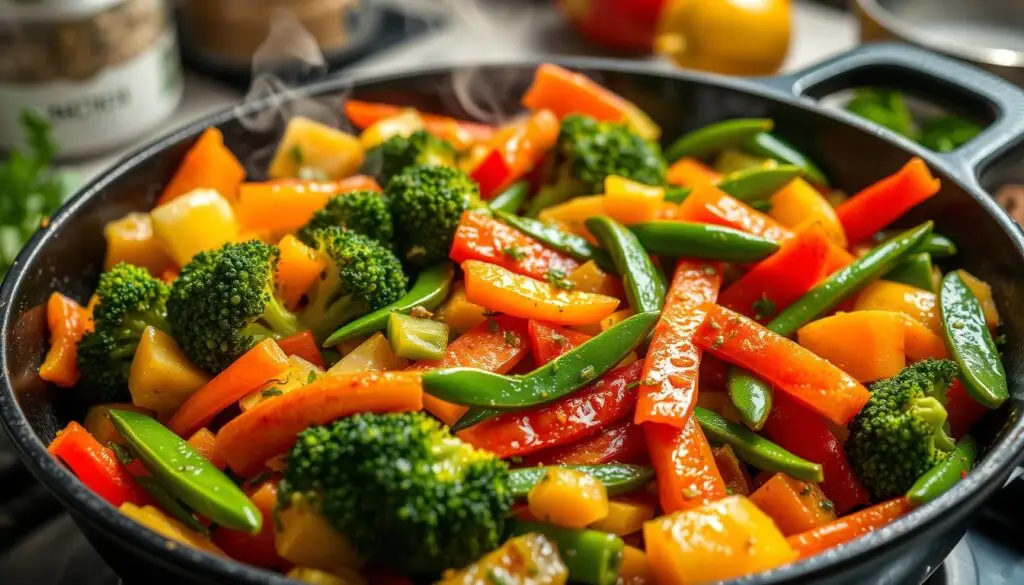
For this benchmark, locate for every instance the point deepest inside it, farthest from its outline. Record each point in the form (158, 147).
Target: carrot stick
(690, 172)
(303, 345)
(810, 379)
(269, 429)
(289, 204)
(668, 387)
(479, 237)
(882, 203)
(709, 204)
(685, 466)
(207, 165)
(67, 321)
(264, 362)
(297, 270)
(564, 92)
(847, 528)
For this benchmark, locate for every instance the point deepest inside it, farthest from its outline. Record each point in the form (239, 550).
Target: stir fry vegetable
(606, 352)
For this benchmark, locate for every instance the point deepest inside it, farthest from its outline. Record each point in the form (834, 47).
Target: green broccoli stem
(931, 411)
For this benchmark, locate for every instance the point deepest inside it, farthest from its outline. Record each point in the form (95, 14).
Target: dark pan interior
(68, 255)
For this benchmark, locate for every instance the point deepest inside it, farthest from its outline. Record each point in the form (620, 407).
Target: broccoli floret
(223, 303)
(360, 276)
(402, 489)
(129, 299)
(900, 434)
(364, 212)
(397, 153)
(427, 202)
(587, 152)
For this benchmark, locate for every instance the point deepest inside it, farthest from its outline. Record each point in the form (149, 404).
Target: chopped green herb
(559, 339)
(512, 340)
(311, 377)
(297, 156)
(558, 279)
(514, 252)
(271, 392)
(587, 374)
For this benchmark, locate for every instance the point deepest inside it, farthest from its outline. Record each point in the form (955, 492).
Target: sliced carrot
(668, 387)
(297, 270)
(501, 290)
(879, 348)
(261, 363)
(303, 345)
(709, 204)
(270, 428)
(920, 304)
(205, 442)
(847, 528)
(885, 201)
(810, 379)
(685, 466)
(565, 92)
(289, 204)
(460, 133)
(208, 164)
(690, 172)
(795, 506)
(479, 237)
(67, 321)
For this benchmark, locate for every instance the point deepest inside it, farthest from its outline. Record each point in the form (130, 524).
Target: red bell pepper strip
(96, 466)
(460, 133)
(496, 345)
(479, 237)
(491, 174)
(515, 150)
(709, 204)
(794, 369)
(565, 92)
(668, 390)
(548, 341)
(258, 550)
(822, 538)
(807, 434)
(685, 466)
(778, 280)
(963, 411)
(560, 422)
(882, 203)
(621, 442)
(837, 258)
(303, 345)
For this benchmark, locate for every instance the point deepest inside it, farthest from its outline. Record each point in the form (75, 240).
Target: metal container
(988, 33)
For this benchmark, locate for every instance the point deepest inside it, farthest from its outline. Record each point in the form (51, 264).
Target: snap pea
(755, 449)
(718, 136)
(185, 474)
(645, 290)
(764, 206)
(937, 246)
(417, 339)
(751, 396)
(759, 183)
(617, 478)
(430, 290)
(676, 194)
(699, 240)
(592, 557)
(970, 343)
(511, 199)
(939, 479)
(559, 377)
(771, 146)
(552, 237)
(915, 270)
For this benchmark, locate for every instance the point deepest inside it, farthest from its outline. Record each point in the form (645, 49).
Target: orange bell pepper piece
(460, 133)
(685, 466)
(668, 387)
(303, 345)
(799, 204)
(847, 528)
(479, 237)
(270, 428)
(690, 172)
(709, 204)
(885, 201)
(920, 342)
(810, 379)
(289, 204)
(795, 506)
(68, 321)
(879, 349)
(208, 164)
(297, 269)
(501, 290)
(895, 296)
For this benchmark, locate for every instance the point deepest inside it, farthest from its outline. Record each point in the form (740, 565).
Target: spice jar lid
(47, 10)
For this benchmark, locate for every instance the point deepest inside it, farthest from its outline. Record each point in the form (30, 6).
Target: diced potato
(458, 313)
(402, 124)
(308, 540)
(373, 354)
(590, 278)
(131, 239)
(197, 221)
(97, 421)
(983, 291)
(300, 373)
(530, 559)
(310, 145)
(625, 516)
(168, 527)
(569, 498)
(161, 377)
(318, 577)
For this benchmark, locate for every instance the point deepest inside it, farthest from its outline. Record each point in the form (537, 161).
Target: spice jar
(103, 72)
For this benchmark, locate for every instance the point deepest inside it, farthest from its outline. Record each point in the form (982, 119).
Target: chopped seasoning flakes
(421, 312)
(806, 490)
(763, 307)
(827, 506)
(274, 391)
(587, 374)
(708, 269)
(558, 279)
(559, 339)
(512, 340)
(490, 313)
(492, 326)
(719, 342)
(311, 377)
(514, 252)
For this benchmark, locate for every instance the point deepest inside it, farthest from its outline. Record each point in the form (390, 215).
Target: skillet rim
(83, 504)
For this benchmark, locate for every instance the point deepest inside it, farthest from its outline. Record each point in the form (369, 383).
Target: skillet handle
(870, 63)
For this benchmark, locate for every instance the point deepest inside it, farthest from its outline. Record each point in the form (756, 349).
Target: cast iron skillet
(68, 254)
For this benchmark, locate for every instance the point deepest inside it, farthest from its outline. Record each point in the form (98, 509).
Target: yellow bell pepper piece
(625, 516)
(374, 354)
(402, 124)
(590, 278)
(161, 378)
(310, 145)
(629, 202)
(983, 291)
(199, 220)
(168, 527)
(616, 318)
(308, 540)
(731, 160)
(884, 295)
(131, 239)
(635, 568)
(714, 542)
(572, 214)
(300, 372)
(566, 497)
(459, 314)
(97, 421)
(318, 577)
(798, 204)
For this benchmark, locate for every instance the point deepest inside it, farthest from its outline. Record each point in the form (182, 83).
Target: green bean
(430, 290)
(557, 239)
(916, 271)
(970, 342)
(592, 557)
(511, 199)
(704, 241)
(759, 183)
(645, 290)
(771, 146)
(935, 245)
(617, 478)
(939, 479)
(712, 138)
(185, 474)
(755, 449)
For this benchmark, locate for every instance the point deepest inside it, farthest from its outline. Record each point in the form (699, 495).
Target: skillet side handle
(1004, 100)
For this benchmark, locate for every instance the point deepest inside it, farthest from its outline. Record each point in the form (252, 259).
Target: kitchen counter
(490, 30)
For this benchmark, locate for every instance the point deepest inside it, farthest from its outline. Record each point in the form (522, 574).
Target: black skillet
(853, 153)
